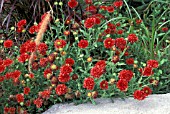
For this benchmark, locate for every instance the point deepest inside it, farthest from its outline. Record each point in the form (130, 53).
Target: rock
(154, 104)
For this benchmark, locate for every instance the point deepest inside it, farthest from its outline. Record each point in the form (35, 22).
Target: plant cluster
(97, 51)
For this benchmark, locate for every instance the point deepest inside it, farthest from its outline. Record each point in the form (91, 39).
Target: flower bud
(89, 59)
(89, 94)
(77, 94)
(135, 66)
(60, 3)
(112, 81)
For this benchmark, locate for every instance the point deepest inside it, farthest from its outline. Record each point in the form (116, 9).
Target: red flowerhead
(83, 44)
(20, 98)
(61, 89)
(132, 38)
(59, 43)
(126, 75)
(109, 43)
(122, 85)
(147, 91)
(139, 95)
(104, 85)
(72, 3)
(118, 3)
(89, 83)
(8, 43)
(152, 63)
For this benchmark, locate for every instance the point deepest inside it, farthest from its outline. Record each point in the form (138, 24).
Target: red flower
(46, 94)
(120, 43)
(152, 63)
(132, 38)
(26, 90)
(47, 72)
(20, 98)
(28, 103)
(2, 68)
(138, 21)
(89, 83)
(109, 43)
(35, 66)
(69, 61)
(64, 77)
(72, 3)
(88, 1)
(103, 7)
(2, 78)
(28, 46)
(118, 24)
(38, 102)
(92, 9)
(8, 75)
(43, 62)
(90, 22)
(8, 43)
(7, 62)
(147, 71)
(83, 44)
(110, 9)
(12, 110)
(31, 75)
(111, 26)
(75, 77)
(120, 32)
(33, 29)
(104, 85)
(66, 69)
(97, 20)
(122, 85)
(115, 59)
(42, 48)
(130, 61)
(108, 31)
(164, 29)
(51, 57)
(61, 89)
(126, 75)
(21, 23)
(139, 95)
(19, 29)
(101, 63)
(16, 74)
(23, 57)
(6, 109)
(96, 71)
(147, 91)
(59, 43)
(118, 4)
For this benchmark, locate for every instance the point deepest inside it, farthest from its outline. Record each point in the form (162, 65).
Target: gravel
(154, 104)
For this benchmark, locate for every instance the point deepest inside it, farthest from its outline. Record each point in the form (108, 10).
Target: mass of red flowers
(79, 58)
